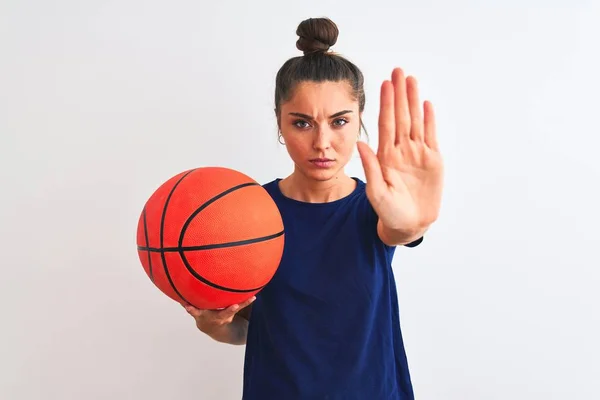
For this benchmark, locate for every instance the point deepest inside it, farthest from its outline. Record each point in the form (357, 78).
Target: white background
(100, 102)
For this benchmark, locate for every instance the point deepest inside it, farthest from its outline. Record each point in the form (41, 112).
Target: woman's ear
(360, 124)
(278, 118)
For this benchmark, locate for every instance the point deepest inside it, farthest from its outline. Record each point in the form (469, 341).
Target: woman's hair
(316, 36)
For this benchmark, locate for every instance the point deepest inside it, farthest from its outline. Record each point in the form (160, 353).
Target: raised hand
(405, 177)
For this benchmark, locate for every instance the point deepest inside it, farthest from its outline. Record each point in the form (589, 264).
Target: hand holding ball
(210, 237)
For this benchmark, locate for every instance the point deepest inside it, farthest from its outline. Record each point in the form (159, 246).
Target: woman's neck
(302, 188)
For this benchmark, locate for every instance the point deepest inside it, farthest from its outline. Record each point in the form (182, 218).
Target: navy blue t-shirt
(327, 325)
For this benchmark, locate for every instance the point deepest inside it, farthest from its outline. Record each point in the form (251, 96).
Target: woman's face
(320, 125)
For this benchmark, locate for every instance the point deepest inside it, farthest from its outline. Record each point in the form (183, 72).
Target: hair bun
(316, 35)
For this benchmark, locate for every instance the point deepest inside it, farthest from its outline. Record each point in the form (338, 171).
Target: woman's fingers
(225, 314)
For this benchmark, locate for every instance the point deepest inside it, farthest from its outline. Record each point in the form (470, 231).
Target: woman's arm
(226, 326)
(234, 333)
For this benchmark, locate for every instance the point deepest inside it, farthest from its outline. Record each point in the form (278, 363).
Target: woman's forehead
(323, 95)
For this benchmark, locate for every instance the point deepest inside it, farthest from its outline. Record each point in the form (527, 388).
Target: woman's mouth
(322, 162)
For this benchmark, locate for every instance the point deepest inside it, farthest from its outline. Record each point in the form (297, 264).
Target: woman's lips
(322, 162)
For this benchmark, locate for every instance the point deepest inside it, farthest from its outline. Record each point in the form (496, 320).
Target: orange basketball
(211, 237)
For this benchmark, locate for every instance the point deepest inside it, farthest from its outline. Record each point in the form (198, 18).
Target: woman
(327, 325)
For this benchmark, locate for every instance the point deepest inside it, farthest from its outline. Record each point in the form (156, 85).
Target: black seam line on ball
(209, 246)
(162, 227)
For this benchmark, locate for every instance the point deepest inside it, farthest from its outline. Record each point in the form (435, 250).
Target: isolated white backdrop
(100, 102)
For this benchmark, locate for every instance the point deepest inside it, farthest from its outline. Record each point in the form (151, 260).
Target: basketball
(210, 237)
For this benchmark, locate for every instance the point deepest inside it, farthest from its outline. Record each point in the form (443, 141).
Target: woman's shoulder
(271, 185)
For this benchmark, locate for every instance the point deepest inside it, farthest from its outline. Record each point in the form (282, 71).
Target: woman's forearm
(233, 333)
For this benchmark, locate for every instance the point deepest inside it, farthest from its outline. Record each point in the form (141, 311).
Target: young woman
(327, 325)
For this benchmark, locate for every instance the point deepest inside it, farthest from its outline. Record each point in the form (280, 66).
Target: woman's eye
(301, 124)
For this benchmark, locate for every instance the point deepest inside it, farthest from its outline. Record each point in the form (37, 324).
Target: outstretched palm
(405, 177)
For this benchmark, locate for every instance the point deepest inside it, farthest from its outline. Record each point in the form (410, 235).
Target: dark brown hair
(316, 36)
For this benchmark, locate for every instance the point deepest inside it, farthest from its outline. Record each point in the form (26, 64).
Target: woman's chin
(321, 174)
